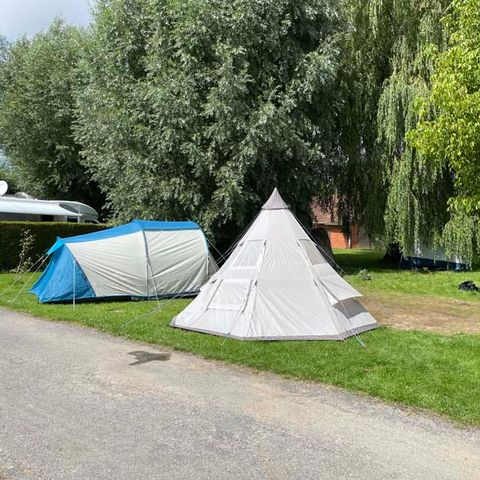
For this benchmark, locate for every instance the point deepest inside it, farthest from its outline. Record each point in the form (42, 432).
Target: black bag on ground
(468, 286)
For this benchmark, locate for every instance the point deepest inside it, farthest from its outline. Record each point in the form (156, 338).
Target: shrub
(44, 235)
(364, 274)
(27, 242)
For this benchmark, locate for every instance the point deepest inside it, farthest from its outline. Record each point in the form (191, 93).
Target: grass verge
(426, 370)
(386, 279)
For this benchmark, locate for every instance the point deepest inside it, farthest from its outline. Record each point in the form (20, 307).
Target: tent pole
(73, 300)
(149, 266)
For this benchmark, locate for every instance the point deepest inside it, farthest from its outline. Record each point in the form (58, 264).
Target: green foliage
(419, 190)
(364, 274)
(198, 109)
(7, 174)
(13, 234)
(365, 65)
(27, 241)
(418, 183)
(398, 194)
(449, 131)
(4, 45)
(37, 80)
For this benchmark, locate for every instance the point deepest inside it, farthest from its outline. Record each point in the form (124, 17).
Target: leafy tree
(198, 109)
(389, 58)
(416, 208)
(37, 80)
(4, 166)
(449, 131)
(4, 44)
(367, 48)
(7, 174)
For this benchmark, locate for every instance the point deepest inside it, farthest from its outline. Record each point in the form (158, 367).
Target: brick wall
(357, 238)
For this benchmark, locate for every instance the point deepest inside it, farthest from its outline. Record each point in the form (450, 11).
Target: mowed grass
(426, 370)
(385, 278)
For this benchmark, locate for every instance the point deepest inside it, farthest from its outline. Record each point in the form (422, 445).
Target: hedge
(44, 235)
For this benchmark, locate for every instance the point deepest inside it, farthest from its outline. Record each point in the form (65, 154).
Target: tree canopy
(4, 45)
(389, 60)
(418, 192)
(198, 109)
(448, 134)
(37, 81)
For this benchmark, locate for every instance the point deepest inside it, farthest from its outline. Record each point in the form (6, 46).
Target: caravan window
(249, 254)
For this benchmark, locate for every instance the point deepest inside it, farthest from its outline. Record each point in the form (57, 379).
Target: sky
(18, 17)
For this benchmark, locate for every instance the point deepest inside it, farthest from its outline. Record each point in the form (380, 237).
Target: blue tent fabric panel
(57, 281)
(158, 225)
(58, 244)
(132, 227)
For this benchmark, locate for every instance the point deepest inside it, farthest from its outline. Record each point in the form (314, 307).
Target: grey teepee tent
(276, 286)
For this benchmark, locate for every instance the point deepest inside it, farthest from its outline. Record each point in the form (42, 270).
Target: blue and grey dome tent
(139, 259)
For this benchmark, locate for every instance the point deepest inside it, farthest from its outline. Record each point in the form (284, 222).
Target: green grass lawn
(393, 280)
(427, 370)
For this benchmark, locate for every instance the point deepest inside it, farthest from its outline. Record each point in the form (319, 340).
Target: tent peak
(275, 202)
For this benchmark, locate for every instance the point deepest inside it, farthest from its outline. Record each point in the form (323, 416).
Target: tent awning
(34, 208)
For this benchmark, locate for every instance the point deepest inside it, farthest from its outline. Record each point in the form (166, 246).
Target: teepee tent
(276, 285)
(139, 259)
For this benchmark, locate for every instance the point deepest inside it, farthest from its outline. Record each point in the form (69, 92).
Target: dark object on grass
(393, 255)
(468, 286)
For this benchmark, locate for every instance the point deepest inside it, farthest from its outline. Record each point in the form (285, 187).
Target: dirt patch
(425, 313)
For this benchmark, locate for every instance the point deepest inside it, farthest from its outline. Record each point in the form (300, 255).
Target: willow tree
(357, 174)
(418, 189)
(448, 134)
(395, 191)
(197, 109)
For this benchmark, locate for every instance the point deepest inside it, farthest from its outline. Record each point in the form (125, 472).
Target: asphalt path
(79, 404)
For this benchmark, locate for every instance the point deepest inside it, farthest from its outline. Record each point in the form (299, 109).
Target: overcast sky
(31, 16)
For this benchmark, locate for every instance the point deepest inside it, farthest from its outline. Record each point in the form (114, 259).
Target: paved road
(78, 404)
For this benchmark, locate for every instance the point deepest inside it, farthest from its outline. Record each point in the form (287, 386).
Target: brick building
(357, 238)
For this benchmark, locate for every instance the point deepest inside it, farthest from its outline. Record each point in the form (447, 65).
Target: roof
(33, 207)
(128, 228)
(78, 207)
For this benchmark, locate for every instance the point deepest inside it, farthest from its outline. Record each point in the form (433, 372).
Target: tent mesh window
(230, 295)
(249, 254)
(312, 253)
